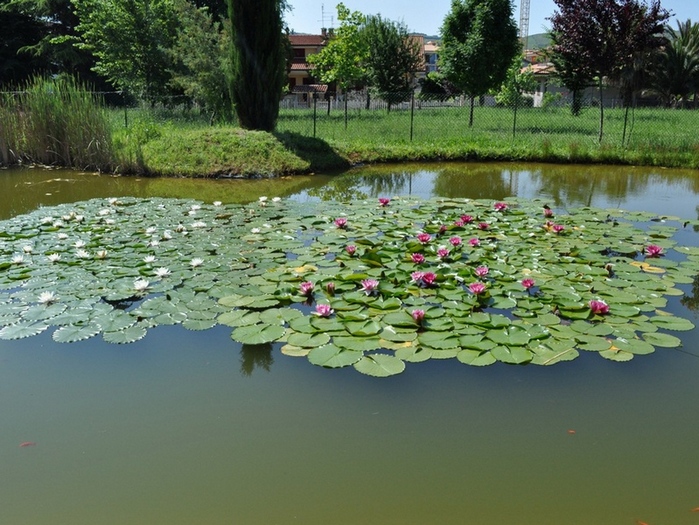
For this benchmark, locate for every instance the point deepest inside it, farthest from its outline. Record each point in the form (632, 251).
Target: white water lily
(47, 220)
(82, 254)
(79, 218)
(79, 243)
(58, 224)
(153, 242)
(151, 230)
(104, 212)
(18, 259)
(162, 272)
(102, 254)
(53, 257)
(109, 221)
(167, 235)
(192, 212)
(195, 207)
(141, 285)
(47, 298)
(276, 199)
(263, 199)
(196, 262)
(62, 236)
(180, 228)
(27, 249)
(112, 200)
(149, 259)
(255, 230)
(199, 224)
(217, 203)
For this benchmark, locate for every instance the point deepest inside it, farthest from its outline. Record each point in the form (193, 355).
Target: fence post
(315, 99)
(412, 113)
(126, 113)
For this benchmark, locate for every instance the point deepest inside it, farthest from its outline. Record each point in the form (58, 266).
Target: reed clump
(55, 122)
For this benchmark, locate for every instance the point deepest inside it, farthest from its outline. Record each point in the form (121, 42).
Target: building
(304, 45)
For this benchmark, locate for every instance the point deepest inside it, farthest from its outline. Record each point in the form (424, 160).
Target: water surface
(191, 427)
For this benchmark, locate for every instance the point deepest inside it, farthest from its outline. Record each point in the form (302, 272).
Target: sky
(427, 16)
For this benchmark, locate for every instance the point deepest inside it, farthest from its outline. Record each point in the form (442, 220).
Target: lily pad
(379, 365)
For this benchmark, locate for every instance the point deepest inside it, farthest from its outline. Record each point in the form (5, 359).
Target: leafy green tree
(598, 39)
(517, 82)
(201, 53)
(38, 37)
(675, 73)
(131, 39)
(434, 86)
(19, 32)
(343, 60)
(479, 42)
(258, 61)
(393, 59)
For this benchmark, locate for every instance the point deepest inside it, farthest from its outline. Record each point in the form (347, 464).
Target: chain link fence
(409, 118)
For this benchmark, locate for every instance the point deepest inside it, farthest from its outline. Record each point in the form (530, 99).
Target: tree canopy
(394, 57)
(343, 60)
(258, 61)
(479, 42)
(598, 39)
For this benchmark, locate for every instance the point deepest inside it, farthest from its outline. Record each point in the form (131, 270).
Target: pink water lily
(429, 279)
(442, 253)
(416, 277)
(417, 258)
(558, 228)
(306, 288)
(351, 249)
(500, 206)
(370, 286)
(481, 271)
(425, 279)
(455, 241)
(483, 225)
(424, 238)
(599, 307)
(459, 223)
(528, 283)
(383, 201)
(341, 222)
(548, 212)
(330, 288)
(323, 310)
(466, 218)
(653, 250)
(474, 242)
(418, 315)
(477, 288)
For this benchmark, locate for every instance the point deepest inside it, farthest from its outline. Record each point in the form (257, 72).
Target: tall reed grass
(55, 122)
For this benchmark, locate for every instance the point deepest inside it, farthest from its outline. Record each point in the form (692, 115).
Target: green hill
(538, 41)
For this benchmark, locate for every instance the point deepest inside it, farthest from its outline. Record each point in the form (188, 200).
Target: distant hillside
(538, 41)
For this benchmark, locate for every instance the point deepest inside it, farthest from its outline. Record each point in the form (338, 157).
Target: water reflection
(656, 190)
(255, 356)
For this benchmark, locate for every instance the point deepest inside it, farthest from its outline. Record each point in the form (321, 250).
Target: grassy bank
(59, 124)
(187, 147)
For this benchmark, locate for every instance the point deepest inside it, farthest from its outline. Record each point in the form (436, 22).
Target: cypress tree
(258, 61)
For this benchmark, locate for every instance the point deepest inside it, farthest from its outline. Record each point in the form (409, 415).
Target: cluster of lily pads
(370, 284)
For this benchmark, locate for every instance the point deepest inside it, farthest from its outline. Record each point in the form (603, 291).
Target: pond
(187, 427)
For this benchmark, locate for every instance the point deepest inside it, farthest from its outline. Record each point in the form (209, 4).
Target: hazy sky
(427, 16)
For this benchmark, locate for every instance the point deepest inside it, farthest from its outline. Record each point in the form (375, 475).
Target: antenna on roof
(322, 17)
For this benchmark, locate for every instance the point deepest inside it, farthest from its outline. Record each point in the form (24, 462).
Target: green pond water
(186, 427)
